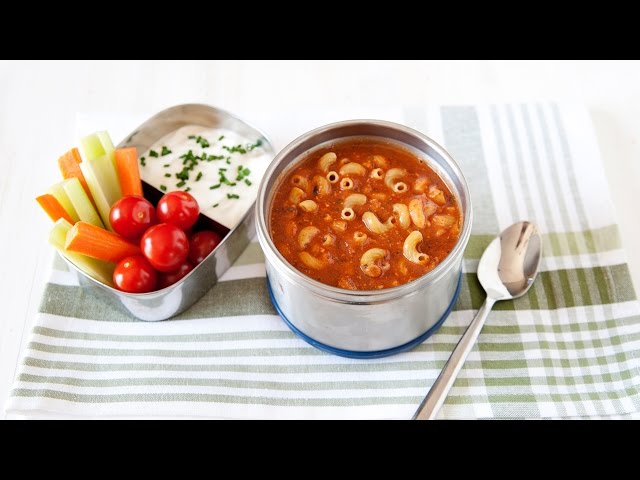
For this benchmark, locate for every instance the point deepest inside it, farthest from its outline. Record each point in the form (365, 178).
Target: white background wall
(39, 100)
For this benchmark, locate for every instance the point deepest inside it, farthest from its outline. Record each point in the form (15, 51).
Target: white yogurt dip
(220, 168)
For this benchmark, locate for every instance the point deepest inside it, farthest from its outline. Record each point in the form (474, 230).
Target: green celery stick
(57, 191)
(81, 202)
(91, 147)
(98, 269)
(99, 197)
(107, 145)
(107, 176)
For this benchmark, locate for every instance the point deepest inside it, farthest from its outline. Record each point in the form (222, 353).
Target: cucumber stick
(58, 192)
(97, 269)
(81, 202)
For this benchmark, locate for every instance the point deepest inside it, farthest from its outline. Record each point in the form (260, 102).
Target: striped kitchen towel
(567, 349)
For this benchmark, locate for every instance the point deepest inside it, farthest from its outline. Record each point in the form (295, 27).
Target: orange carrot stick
(95, 242)
(53, 208)
(128, 171)
(69, 164)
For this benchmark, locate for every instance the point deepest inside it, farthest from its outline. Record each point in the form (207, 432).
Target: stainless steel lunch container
(372, 323)
(176, 298)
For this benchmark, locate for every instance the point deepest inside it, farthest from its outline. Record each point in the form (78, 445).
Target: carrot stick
(96, 242)
(69, 164)
(102, 271)
(128, 171)
(53, 208)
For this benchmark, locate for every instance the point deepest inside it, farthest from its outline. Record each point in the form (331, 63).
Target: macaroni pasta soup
(364, 215)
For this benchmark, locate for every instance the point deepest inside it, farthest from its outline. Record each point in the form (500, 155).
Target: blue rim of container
(373, 354)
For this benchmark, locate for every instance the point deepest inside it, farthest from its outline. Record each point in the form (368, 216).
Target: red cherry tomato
(134, 274)
(165, 246)
(131, 216)
(202, 244)
(179, 209)
(169, 278)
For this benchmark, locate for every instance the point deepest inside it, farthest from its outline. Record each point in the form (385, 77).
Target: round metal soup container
(371, 323)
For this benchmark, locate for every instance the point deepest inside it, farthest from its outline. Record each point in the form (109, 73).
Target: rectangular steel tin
(170, 301)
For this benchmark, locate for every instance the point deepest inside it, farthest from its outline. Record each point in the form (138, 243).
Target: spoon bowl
(509, 264)
(507, 269)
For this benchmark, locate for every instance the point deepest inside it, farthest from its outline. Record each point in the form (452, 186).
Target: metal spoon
(506, 270)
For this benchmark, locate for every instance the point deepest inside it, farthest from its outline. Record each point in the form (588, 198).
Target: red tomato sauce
(366, 247)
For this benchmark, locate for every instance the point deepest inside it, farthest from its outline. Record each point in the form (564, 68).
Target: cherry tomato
(165, 246)
(202, 244)
(169, 278)
(134, 274)
(179, 209)
(131, 216)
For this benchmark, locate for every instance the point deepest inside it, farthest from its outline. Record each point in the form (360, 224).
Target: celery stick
(98, 269)
(81, 202)
(99, 197)
(107, 176)
(107, 145)
(58, 192)
(91, 147)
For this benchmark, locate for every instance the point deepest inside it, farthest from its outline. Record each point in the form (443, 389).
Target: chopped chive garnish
(221, 138)
(187, 189)
(153, 153)
(228, 161)
(200, 140)
(216, 205)
(143, 162)
(255, 145)
(236, 148)
(166, 165)
(165, 151)
(242, 173)
(167, 174)
(163, 188)
(213, 187)
(199, 176)
(242, 150)
(247, 181)
(232, 195)
(181, 183)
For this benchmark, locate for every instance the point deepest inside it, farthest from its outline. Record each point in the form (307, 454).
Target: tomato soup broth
(364, 215)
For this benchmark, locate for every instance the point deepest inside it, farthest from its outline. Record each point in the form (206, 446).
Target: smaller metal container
(174, 299)
(372, 323)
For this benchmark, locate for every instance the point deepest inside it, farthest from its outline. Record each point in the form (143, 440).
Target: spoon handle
(430, 406)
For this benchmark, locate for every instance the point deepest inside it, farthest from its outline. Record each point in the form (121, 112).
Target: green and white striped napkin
(567, 349)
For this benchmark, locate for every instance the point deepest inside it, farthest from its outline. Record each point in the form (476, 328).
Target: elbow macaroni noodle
(352, 168)
(308, 206)
(392, 175)
(401, 212)
(355, 199)
(296, 195)
(306, 235)
(326, 161)
(410, 250)
(374, 224)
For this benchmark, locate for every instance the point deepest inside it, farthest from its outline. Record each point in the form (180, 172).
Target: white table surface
(39, 101)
